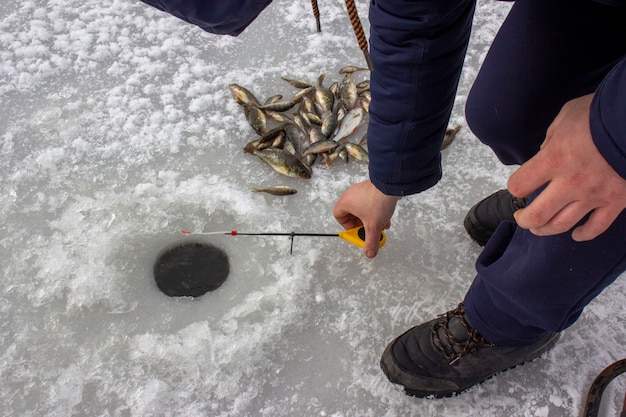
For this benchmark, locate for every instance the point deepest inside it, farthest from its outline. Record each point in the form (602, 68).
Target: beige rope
(358, 31)
(316, 13)
(356, 26)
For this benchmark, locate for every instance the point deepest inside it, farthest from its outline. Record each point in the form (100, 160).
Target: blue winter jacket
(417, 65)
(413, 91)
(221, 17)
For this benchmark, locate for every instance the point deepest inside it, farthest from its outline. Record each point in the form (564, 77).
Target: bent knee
(506, 128)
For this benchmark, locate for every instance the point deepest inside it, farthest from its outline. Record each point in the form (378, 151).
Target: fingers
(530, 176)
(343, 213)
(563, 152)
(372, 240)
(552, 210)
(599, 221)
(552, 213)
(363, 204)
(561, 222)
(347, 221)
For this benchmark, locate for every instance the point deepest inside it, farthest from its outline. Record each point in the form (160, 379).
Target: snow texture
(117, 130)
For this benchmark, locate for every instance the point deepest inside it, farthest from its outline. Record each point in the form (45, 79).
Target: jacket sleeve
(417, 50)
(221, 17)
(607, 118)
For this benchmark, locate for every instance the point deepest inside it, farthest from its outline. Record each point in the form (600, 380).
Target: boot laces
(449, 345)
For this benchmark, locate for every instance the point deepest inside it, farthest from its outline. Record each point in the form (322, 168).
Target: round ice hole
(191, 269)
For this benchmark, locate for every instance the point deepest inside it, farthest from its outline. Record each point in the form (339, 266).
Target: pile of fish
(314, 126)
(311, 126)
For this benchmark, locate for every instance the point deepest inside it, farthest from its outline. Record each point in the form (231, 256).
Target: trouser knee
(509, 130)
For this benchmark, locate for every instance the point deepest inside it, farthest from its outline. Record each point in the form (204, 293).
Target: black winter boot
(486, 215)
(447, 355)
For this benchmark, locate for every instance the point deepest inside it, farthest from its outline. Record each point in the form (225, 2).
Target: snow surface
(118, 130)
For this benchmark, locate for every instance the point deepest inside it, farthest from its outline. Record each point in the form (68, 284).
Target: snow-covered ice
(117, 130)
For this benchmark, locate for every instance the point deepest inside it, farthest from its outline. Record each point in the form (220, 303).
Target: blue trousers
(546, 53)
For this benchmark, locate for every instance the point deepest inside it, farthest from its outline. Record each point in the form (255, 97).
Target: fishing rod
(356, 236)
